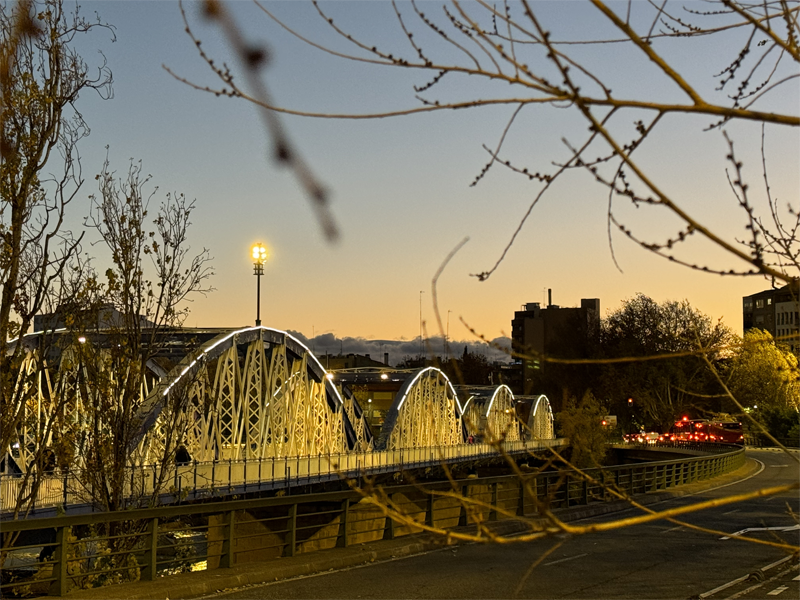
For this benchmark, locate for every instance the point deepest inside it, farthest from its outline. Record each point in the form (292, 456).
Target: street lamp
(259, 257)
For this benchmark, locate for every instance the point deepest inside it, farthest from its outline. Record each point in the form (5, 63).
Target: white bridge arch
(249, 394)
(492, 414)
(425, 412)
(540, 420)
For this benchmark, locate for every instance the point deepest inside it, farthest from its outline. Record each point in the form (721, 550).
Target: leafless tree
(153, 276)
(481, 44)
(41, 79)
(511, 44)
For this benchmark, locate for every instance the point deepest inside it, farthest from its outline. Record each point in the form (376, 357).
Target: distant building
(553, 331)
(351, 361)
(776, 311)
(106, 317)
(374, 387)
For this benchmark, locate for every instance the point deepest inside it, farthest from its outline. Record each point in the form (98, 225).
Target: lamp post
(259, 256)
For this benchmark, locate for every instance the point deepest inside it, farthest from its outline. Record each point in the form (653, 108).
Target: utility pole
(447, 338)
(420, 323)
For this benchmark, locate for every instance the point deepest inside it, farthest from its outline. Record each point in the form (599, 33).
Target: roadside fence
(52, 555)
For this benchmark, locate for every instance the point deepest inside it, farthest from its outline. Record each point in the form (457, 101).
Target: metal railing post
(228, 559)
(151, 551)
(342, 540)
(60, 571)
(462, 515)
(291, 534)
(388, 527)
(493, 510)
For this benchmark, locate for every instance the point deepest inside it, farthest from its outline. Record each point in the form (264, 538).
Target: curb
(202, 583)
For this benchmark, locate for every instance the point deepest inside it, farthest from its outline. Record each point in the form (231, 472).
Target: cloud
(328, 343)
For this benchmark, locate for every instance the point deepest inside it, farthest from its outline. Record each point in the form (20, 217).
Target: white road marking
(778, 590)
(555, 562)
(673, 529)
(745, 577)
(779, 466)
(796, 578)
(730, 512)
(749, 529)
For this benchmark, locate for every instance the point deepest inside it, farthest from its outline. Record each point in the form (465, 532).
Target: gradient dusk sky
(400, 187)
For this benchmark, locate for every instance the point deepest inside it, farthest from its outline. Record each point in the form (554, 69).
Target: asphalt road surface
(655, 560)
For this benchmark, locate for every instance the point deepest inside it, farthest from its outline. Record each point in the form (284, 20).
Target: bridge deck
(198, 480)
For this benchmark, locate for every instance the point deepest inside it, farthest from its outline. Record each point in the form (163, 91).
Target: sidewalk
(193, 585)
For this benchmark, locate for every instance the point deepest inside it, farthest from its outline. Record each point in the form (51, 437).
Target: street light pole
(259, 256)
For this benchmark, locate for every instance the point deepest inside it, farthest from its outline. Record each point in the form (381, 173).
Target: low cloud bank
(328, 343)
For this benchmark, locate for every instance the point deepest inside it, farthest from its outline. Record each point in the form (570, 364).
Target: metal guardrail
(135, 544)
(706, 447)
(66, 492)
(760, 441)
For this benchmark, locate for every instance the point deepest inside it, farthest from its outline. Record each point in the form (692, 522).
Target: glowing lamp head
(259, 253)
(384, 376)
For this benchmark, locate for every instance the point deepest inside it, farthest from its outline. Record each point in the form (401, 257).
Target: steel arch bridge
(259, 394)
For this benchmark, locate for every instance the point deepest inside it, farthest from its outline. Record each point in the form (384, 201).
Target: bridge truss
(250, 394)
(426, 412)
(540, 420)
(492, 414)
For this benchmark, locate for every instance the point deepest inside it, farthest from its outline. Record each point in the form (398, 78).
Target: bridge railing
(222, 534)
(67, 492)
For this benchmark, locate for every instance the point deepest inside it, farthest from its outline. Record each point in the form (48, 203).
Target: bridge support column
(493, 510)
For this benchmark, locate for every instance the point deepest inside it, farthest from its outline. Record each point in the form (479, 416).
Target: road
(656, 560)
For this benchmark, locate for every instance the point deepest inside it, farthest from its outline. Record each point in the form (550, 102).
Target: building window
(759, 303)
(769, 301)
